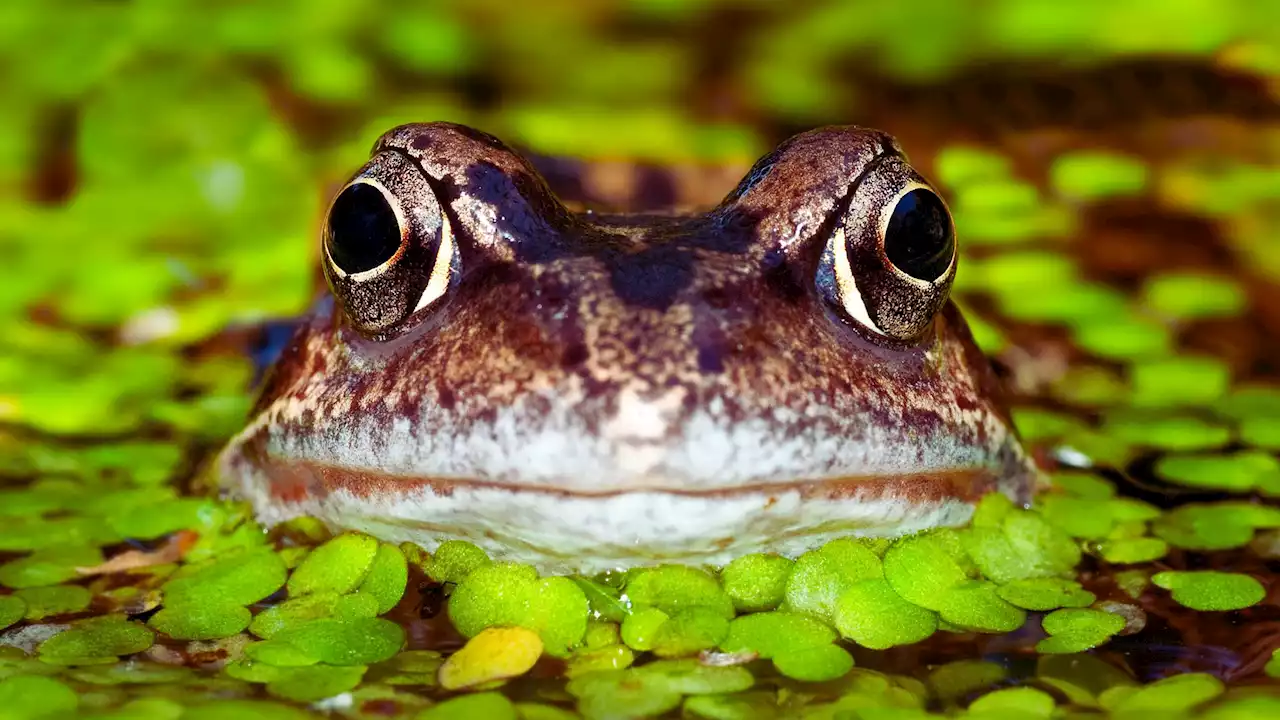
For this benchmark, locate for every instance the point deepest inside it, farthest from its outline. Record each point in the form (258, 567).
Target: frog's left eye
(388, 247)
(890, 262)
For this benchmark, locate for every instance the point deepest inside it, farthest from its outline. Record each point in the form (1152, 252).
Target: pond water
(1120, 236)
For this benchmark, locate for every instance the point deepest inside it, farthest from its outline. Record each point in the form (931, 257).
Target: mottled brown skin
(582, 390)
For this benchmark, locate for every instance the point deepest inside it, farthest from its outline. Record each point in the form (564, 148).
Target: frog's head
(583, 390)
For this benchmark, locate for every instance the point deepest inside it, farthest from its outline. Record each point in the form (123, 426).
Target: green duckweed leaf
(1021, 702)
(1236, 472)
(691, 677)
(1025, 546)
(756, 582)
(1246, 402)
(387, 578)
(488, 705)
(511, 594)
(671, 588)
(1186, 296)
(49, 566)
(1175, 433)
(922, 570)
(818, 664)
(1216, 526)
(1092, 175)
(640, 627)
(41, 534)
(295, 611)
(607, 657)
(279, 654)
(103, 637)
(45, 602)
(201, 622)
(234, 578)
(821, 575)
(1185, 380)
(754, 705)
(356, 641)
(1078, 629)
(957, 679)
(33, 696)
(1126, 551)
(959, 165)
(153, 520)
(688, 631)
(1263, 432)
(975, 605)
(1124, 338)
(315, 682)
(1209, 590)
(337, 566)
(1176, 694)
(454, 560)
(871, 614)
(600, 633)
(774, 633)
(1083, 485)
(12, 609)
(1045, 594)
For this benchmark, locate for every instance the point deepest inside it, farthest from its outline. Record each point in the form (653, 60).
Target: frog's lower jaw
(560, 532)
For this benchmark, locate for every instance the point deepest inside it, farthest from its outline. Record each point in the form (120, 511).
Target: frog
(583, 390)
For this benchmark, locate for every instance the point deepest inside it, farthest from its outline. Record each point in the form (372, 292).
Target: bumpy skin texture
(595, 391)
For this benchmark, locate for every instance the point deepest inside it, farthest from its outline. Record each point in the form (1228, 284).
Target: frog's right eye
(388, 248)
(364, 229)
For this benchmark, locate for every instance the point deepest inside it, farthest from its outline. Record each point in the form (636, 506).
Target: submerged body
(583, 391)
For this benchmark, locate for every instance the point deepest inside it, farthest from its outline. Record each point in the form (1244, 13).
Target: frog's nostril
(363, 230)
(920, 240)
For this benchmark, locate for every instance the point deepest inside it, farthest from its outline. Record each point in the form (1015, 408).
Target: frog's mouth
(570, 531)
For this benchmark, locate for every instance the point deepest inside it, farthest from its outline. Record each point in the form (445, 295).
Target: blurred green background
(164, 163)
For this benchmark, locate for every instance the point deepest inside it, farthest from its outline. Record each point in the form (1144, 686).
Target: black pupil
(363, 232)
(920, 241)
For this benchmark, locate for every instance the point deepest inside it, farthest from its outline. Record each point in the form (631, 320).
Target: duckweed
(1209, 590)
(464, 707)
(1186, 296)
(337, 566)
(1019, 702)
(494, 654)
(12, 609)
(296, 611)
(871, 614)
(511, 594)
(95, 641)
(821, 575)
(43, 602)
(1045, 594)
(454, 560)
(355, 641)
(757, 582)
(1074, 630)
(817, 664)
(1238, 472)
(1175, 694)
(776, 633)
(33, 696)
(128, 323)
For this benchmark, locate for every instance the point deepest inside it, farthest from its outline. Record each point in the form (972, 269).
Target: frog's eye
(919, 239)
(388, 248)
(364, 230)
(890, 261)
